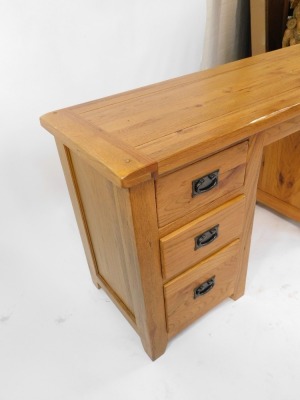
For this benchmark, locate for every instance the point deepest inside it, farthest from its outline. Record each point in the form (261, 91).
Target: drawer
(201, 288)
(200, 183)
(197, 240)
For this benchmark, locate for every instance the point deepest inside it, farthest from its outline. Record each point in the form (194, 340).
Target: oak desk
(163, 181)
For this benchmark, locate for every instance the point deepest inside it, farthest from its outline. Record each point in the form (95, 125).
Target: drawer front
(200, 183)
(201, 288)
(197, 240)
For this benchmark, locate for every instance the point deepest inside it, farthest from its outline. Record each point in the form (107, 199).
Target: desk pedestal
(279, 181)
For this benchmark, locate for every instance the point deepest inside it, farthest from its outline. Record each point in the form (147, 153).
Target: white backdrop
(58, 53)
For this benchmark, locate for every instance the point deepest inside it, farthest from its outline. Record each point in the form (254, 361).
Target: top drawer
(200, 183)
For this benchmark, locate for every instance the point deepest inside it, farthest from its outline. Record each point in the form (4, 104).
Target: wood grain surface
(174, 191)
(130, 160)
(160, 128)
(279, 181)
(181, 306)
(178, 248)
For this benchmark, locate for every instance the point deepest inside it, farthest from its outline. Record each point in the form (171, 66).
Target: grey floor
(60, 338)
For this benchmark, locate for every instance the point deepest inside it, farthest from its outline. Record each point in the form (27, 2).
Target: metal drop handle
(205, 183)
(205, 287)
(206, 237)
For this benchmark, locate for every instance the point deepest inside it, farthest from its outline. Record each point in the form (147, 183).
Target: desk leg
(279, 181)
(148, 295)
(252, 173)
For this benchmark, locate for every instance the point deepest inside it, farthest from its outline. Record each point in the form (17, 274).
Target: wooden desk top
(154, 130)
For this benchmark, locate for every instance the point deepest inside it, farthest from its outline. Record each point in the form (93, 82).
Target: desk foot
(97, 284)
(236, 296)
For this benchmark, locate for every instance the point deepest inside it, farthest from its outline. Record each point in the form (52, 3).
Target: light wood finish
(178, 248)
(281, 206)
(280, 131)
(181, 306)
(129, 162)
(105, 227)
(174, 192)
(76, 197)
(189, 217)
(252, 174)
(148, 294)
(162, 127)
(279, 182)
(126, 168)
(123, 241)
(68, 169)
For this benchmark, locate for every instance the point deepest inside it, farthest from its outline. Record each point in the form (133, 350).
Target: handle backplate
(205, 183)
(206, 237)
(205, 287)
